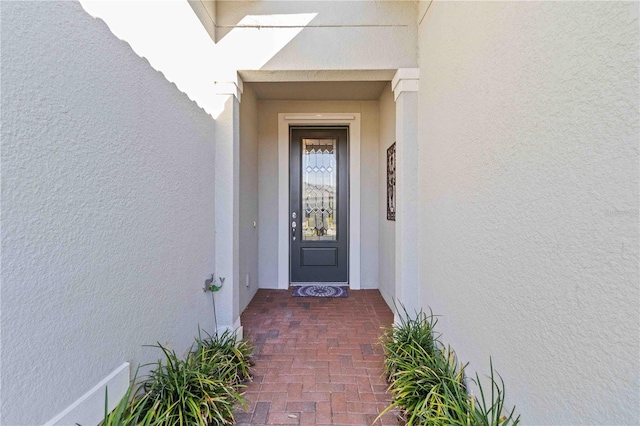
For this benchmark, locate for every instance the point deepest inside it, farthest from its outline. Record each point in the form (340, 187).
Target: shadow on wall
(175, 43)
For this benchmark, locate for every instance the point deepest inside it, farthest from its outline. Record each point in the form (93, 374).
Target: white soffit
(316, 75)
(320, 90)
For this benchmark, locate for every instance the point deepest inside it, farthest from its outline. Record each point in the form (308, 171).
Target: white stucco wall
(206, 12)
(529, 200)
(107, 209)
(268, 183)
(386, 228)
(248, 196)
(341, 34)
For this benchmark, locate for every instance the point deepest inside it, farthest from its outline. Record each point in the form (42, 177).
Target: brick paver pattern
(317, 360)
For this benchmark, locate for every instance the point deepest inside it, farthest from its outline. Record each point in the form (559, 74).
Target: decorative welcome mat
(319, 291)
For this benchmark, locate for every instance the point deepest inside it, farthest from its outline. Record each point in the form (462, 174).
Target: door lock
(293, 229)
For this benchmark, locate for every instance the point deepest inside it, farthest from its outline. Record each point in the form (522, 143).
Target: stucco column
(227, 187)
(405, 90)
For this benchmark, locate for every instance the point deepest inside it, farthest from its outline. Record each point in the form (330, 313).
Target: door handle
(293, 226)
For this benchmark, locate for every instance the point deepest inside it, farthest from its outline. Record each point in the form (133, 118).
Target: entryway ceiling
(319, 90)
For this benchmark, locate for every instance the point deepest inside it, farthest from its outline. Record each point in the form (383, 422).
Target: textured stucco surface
(107, 209)
(227, 207)
(386, 228)
(248, 196)
(268, 183)
(342, 34)
(529, 200)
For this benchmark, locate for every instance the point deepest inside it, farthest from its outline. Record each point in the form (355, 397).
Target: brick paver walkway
(317, 361)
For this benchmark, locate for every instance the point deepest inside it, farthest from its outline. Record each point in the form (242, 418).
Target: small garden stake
(210, 286)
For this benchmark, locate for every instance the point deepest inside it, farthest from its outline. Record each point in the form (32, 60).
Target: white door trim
(353, 121)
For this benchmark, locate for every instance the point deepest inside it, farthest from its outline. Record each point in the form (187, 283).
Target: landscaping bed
(201, 389)
(428, 384)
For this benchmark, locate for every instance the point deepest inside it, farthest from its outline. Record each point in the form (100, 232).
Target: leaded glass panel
(319, 183)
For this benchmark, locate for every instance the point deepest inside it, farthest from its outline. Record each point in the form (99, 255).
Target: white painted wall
(206, 11)
(107, 209)
(529, 200)
(227, 219)
(268, 182)
(386, 228)
(341, 34)
(248, 196)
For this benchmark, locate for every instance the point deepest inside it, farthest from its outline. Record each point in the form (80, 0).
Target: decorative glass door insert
(319, 188)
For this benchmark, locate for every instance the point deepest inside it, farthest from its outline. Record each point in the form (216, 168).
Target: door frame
(351, 120)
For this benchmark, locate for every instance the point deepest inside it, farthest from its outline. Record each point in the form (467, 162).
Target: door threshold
(333, 284)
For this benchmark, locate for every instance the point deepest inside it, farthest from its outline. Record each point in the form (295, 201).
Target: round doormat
(319, 291)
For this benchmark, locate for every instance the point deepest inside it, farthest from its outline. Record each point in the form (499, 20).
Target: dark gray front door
(319, 204)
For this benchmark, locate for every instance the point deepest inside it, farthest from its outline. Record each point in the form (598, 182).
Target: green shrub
(490, 407)
(232, 360)
(410, 338)
(428, 384)
(201, 389)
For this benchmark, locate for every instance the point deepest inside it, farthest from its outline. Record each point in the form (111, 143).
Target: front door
(319, 204)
